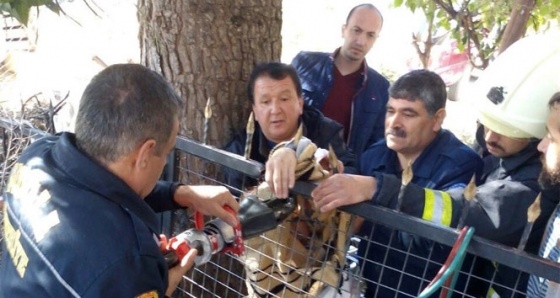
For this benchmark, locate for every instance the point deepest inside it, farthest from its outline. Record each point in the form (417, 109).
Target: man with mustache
(413, 138)
(550, 179)
(341, 84)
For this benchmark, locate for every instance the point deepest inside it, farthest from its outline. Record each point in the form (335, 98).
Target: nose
(543, 145)
(360, 39)
(275, 107)
(492, 137)
(392, 121)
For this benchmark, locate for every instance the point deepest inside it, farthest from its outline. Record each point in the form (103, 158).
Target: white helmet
(513, 91)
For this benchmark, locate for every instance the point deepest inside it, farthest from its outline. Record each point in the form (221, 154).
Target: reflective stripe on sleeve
(437, 207)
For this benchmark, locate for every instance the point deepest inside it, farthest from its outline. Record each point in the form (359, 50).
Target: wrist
(368, 185)
(182, 196)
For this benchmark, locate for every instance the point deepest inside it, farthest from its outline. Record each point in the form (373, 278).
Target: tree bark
(207, 49)
(515, 29)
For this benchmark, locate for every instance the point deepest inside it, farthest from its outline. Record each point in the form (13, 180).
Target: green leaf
(54, 7)
(398, 3)
(21, 11)
(39, 2)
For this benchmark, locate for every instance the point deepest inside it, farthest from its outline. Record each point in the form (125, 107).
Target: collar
(419, 167)
(265, 145)
(428, 155)
(89, 175)
(364, 64)
(513, 162)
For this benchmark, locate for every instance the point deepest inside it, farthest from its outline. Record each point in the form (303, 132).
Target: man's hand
(280, 172)
(176, 273)
(343, 189)
(208, 200)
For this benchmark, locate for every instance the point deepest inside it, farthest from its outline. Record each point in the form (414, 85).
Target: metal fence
(233, 277)
(227, 275)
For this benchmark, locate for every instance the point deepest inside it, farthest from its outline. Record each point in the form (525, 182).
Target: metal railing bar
(26, 129)
(479, 246)
(250, 168)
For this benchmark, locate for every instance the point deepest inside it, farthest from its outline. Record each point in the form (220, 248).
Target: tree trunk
(207, 49)
(515, 29)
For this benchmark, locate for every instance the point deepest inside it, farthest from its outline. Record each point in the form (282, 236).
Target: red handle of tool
(237, 247)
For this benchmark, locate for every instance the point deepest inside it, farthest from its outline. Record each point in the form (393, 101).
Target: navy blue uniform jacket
(499, 212)
(446, 163)
(76, 230)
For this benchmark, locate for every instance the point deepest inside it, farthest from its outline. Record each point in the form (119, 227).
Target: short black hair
(421, 84)
(274, 70)
(122, 106)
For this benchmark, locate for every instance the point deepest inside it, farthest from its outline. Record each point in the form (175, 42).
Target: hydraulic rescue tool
(216, 236)
(256, 215)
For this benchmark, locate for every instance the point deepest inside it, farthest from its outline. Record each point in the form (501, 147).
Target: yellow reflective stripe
(428, 204)
(447, 208)
(437, 207)
(492, 294)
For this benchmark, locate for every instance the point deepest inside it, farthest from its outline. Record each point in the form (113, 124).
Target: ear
(439, 116)
(342, 30)
(300, 105)
(145, 152)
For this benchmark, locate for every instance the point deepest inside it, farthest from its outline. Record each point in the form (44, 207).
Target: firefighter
(79, 216)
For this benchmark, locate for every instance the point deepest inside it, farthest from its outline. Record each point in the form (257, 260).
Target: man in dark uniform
(438, 159)
(79, 208)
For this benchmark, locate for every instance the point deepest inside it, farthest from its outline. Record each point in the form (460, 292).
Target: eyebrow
(358, 27)
(406, 109)
(287, 90)
(284, 92)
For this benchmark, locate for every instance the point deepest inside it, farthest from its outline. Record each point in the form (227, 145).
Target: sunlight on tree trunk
(207, 50)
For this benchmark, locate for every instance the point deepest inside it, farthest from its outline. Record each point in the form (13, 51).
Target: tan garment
(305, 253)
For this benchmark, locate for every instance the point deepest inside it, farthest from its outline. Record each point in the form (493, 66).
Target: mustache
(495, 145)
(397, 132)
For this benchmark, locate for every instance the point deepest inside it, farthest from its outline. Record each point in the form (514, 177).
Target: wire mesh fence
(293, 258)
(308, 256)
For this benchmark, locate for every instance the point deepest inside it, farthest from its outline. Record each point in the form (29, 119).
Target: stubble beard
(550, 178)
